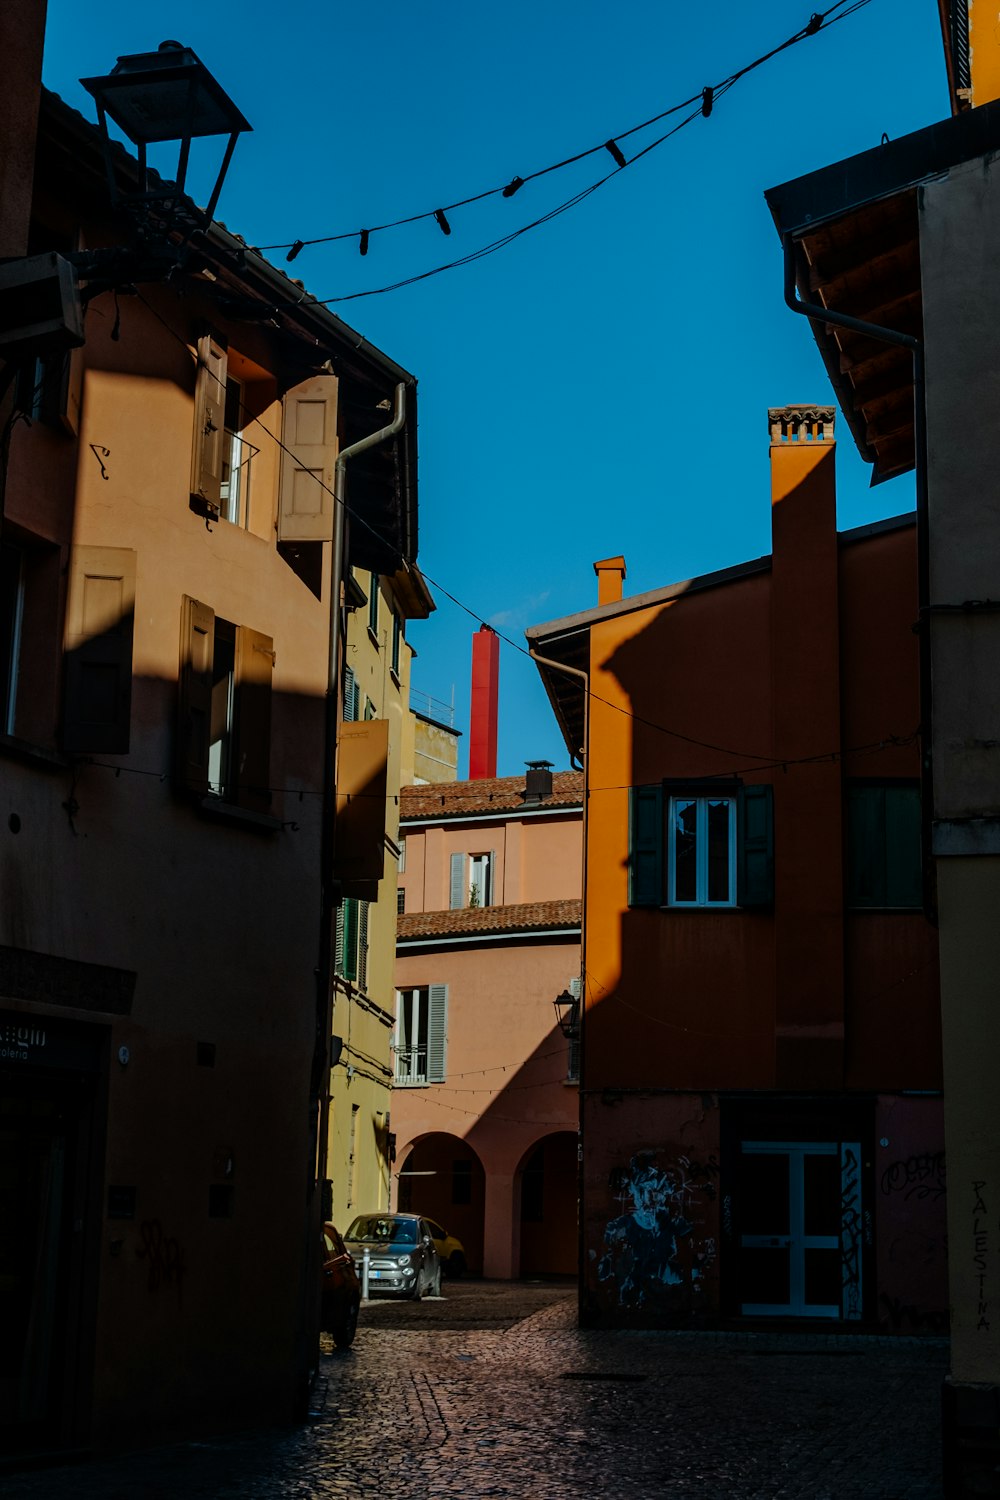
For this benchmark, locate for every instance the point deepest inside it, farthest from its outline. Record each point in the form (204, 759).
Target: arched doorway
(443, 1178)
(547, 1178)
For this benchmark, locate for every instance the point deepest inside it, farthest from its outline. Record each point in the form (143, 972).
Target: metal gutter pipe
(319, 1093)
(584, 756)
(817, 313)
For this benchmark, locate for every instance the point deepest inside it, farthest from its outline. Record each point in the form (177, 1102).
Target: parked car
(401, 1254)
(450, 1250)
(341, 1295)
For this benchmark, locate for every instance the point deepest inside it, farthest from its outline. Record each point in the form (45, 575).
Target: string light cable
(704, 100)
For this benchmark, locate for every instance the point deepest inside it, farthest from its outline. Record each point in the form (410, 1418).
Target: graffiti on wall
(851, 1231)
(980, 1250)
(642, 1244)
(916, 1177)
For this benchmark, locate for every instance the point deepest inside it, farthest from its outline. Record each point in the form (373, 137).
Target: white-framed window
(402, 854)
(701, 851)
(480, 879)
(421, 1034)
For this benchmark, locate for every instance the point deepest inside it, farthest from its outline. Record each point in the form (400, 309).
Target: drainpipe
(319, 1094)
(583, 756)
(819, 314)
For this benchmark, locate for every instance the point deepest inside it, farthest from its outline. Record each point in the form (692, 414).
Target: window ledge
(36, 755)
(229, 812)
(373, 638)
(406, 1083)
(394, 674)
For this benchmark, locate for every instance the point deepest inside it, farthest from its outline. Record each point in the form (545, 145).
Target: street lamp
(567, 1014)
(167, 95)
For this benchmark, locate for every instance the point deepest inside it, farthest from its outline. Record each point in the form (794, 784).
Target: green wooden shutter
(645, 852)
(350, 696)
(338, 943)
(363, 944)
(437, 1032)
(349, 964)
(755, 885)
(903, 879)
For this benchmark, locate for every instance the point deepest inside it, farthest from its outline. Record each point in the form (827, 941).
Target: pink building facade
(484, 1105)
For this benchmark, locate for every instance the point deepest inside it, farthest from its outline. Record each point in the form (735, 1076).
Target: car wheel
(343, 1333)
(456, 1264)
(417, 1293)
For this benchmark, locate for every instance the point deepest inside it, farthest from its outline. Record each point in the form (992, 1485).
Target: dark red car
(341, 1290)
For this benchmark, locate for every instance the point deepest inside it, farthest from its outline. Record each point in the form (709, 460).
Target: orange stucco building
(484, 1105)
(760, 1074)
(166, 720)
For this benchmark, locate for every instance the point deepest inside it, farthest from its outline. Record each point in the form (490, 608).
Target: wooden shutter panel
(350, 696)
(100, 612)
(458, 896)
(437, 1032)
(194, 698)
(645, 854)
(903, 877)
(254, 670)
(349, 957)
(755, 885)
(338, 946)
(363, 945)
(309, 435)
(209, 422)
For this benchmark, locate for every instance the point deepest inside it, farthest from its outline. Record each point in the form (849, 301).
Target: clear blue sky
(601, 385)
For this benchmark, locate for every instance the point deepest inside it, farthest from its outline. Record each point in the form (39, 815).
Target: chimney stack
(483, 719)
(537, 782)
(610, 577)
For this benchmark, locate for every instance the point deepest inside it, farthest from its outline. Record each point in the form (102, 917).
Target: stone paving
(429, 1405)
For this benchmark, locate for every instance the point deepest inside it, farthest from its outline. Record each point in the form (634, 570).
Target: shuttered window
(223, 744)
(352, 694)
(457, 893)
(884, 846)
(100, 612)
(690, 846)
(421, 1034)
(351, 945)
(437, 1032)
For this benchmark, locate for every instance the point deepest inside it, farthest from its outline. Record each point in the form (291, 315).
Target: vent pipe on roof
(484, 713)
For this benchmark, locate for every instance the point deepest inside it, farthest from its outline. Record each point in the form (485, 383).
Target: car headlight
(403, 1261)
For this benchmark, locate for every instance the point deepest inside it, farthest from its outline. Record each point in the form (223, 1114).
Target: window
(237, 452)
(402, 853)
(373, 606)
(421, 1034)
(701, 851)
(883, 846)
(470, 881)
(224, 729)
(700, 845)
(400, 901)
(31, 639)
(350, 958)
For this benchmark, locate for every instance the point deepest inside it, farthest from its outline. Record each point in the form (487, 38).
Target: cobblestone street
(469, 1397)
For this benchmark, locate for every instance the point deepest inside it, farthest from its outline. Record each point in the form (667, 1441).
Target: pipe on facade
(815, 312)
(584, 757)
(319, 1092)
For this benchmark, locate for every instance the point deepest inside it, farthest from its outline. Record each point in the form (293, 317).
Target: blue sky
(601, 385)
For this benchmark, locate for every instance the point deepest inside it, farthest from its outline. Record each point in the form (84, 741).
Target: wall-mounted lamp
(167, 95)
(566, 1007)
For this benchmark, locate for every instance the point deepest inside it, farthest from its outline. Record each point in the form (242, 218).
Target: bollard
(365, 1257)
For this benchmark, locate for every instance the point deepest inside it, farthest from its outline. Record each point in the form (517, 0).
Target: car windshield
(379, 1227)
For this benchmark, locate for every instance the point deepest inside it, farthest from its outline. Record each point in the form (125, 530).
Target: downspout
(319, 1100)
(817, 313)
(584, 756)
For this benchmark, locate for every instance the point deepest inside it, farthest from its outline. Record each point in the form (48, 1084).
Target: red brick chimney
(485, 688)
(610, 577)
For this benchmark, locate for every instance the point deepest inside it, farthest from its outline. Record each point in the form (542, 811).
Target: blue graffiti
(641, 1244)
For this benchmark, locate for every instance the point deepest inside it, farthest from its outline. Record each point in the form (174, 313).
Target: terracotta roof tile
(528, 916)
(500, 794)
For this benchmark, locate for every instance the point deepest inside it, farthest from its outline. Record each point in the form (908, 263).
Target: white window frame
(410, 1069)
(481, 878)
(701, 803)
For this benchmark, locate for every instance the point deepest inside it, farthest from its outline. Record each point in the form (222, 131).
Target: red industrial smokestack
(485, 687)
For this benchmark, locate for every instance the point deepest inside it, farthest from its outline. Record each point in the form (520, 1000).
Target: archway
(443, 1178)
(547, 1178)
